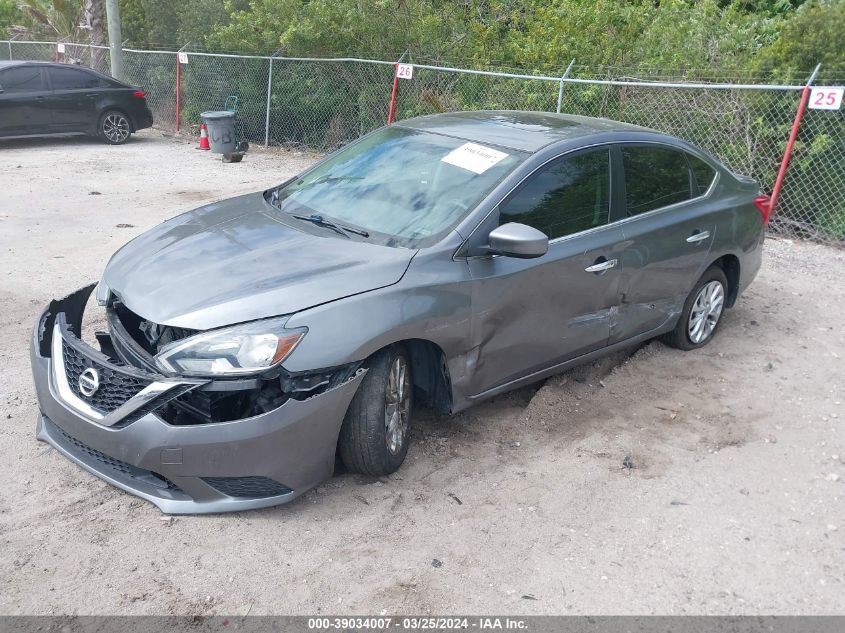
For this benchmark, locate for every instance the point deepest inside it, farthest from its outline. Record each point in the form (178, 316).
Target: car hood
(237, 260)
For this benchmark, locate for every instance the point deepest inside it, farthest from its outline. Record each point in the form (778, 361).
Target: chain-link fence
(322, 104)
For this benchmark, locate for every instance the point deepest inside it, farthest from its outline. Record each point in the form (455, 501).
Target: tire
(374, 441)
(702, 312)
(114, 127)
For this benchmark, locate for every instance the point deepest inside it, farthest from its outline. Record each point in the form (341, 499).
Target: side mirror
(518, 240)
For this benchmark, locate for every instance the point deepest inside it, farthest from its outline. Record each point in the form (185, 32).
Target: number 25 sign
(826, 98)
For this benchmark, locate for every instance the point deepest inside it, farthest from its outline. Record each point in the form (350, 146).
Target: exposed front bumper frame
(165, 464)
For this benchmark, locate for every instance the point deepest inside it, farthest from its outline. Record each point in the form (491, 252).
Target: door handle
(698, 237)
(40, 98)
(601, 266)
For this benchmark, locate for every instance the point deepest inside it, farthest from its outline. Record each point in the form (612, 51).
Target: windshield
(400, 183)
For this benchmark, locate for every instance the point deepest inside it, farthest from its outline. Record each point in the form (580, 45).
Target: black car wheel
(115, 128)
(375, 433)
(702, 313)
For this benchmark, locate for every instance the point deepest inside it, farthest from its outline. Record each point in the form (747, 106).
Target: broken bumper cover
(244, 464)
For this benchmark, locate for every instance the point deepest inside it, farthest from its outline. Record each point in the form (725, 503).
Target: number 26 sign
(826, 98)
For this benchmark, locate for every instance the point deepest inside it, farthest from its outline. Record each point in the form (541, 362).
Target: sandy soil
(653, 482)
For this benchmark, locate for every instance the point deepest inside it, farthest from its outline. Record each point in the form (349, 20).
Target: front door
(669, 226)
(23, 101)
(531, 314)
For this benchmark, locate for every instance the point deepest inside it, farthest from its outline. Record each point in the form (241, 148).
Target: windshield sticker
(474, 158)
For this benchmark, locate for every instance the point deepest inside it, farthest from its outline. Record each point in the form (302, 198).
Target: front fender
(433, 302)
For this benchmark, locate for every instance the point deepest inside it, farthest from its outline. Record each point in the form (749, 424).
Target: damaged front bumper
(118, 434)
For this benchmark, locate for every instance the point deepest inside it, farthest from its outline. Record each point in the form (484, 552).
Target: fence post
(562, 79)
(10, 50)
(793, 134)
(392, 106)
(179, 89)
(267, 114)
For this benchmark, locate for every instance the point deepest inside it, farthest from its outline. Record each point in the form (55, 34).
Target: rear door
(73, 96)
(23, 101)
(669, 224)
(531, 314)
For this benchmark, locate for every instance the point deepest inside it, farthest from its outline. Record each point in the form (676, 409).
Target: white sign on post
(405, 71)
(61, 47)
(826, 98)
(183, 58)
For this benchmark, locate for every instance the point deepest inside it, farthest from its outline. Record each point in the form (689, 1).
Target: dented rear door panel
(659, 266)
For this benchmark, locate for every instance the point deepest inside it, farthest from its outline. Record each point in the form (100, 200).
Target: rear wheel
(702, 312)
(114, 128)
(375, 435)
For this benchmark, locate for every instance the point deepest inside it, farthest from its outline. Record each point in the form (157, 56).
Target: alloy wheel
(397, 408)
(116, 128)
(706, 311)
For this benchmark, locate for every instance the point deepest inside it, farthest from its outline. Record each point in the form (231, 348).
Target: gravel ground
(731, 501)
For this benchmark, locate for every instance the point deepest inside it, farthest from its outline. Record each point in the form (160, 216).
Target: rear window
(655, 177)
(21, 79)
(704, 173)
(72, 79)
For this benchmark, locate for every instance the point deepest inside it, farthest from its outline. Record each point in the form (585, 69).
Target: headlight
(242, 349)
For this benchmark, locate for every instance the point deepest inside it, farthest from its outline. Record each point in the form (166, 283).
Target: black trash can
(221, 131)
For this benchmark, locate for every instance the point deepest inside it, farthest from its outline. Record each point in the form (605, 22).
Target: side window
(564, 197)
(655, 177)
(21, 79)
(72, 79)
(704, 173)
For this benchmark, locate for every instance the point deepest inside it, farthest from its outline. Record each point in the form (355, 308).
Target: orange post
(392, 108)
(793, 134)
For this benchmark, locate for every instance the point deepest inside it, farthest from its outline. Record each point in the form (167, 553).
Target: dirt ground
(654, 482)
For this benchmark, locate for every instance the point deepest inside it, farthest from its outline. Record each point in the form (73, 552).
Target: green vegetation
(784, 36)
(324, 105)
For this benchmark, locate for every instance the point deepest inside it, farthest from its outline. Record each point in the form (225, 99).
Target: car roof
(525, 131)
(35, 62)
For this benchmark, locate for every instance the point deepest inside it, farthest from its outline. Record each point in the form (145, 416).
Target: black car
(40, 98)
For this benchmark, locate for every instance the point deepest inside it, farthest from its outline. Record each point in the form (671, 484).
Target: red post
(392, 109)
(178, 91)
(802, 106)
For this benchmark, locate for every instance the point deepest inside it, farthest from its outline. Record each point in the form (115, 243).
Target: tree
(94, 14)
(815, 34)
(54, 19)
(10, 15)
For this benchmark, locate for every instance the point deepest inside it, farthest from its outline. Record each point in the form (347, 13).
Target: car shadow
(63, 141)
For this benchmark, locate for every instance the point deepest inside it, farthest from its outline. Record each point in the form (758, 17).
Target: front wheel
(375, 434)
(702, 311)
(114, 128)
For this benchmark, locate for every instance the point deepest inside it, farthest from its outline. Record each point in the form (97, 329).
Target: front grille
(247, 487)
(115, 465)
(115, 387)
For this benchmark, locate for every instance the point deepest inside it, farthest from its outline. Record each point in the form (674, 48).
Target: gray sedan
(436, 262)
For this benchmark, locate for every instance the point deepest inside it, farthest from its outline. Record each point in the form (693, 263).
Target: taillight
(139, 93)
(764, 206)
